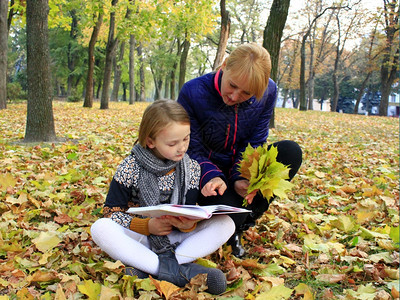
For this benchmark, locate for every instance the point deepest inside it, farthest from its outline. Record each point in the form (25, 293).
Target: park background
(333, 56)
(337, 234)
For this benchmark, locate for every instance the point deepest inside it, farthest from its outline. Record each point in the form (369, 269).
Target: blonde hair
(157, 116)
(251, 63)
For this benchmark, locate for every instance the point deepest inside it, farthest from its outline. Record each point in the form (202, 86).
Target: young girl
(159, 171)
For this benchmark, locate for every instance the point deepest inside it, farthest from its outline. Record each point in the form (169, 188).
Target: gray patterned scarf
(149, 194)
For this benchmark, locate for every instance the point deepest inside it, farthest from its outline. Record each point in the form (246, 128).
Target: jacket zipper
(236, 121)
(234, 134)
(228, 128)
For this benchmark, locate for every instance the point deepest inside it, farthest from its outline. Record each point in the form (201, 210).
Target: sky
(297, 5)
(371, 4)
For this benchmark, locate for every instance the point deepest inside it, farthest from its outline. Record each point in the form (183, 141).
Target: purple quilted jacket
(220, 133)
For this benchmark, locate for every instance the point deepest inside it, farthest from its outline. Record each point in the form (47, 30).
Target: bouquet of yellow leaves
(260, 168)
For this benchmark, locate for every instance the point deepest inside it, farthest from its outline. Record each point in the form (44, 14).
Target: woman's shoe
(235, 241)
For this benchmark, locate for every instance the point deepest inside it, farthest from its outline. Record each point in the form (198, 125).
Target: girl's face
(233, 90)
(171, 142)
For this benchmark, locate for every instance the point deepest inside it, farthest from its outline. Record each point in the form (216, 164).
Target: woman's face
(233, 90)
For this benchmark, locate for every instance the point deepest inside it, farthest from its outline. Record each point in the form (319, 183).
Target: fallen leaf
(305, 290)
(113, 265)
(91, 289)
(42, 276)
(109, 294)
(60, 295)
(46, 241)
(276, 293)
(63, 219)
(331, 278)
(6, 180)
(395, 293)
(168, 289)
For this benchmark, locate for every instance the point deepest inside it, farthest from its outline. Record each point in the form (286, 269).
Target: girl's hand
(214, 185)
(182, 223)
(160, 226)
(241, 188)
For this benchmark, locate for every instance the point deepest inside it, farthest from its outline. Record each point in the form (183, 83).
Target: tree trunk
(3, 53)
(142, 84)
(182, 62)
(389, 65)
(311, 91)
(71, 56)
(89, 80)
(290, 76)
(132, 46)
(223, 37)
(157, 84)
(124, 88)
(39, 121)
(273, 32)
(285, 94)
(172, 84)
(360, 94)
(98, 90)
(303, 100)
(117, 65)
(173, 72)
(10, 14)
(273, 35)
(311, 73)
(335, 96)
(296, 99)
(117, 72)
(110, 53)
(166, 87)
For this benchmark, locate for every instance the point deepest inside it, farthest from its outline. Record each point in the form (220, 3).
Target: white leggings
(133, 249)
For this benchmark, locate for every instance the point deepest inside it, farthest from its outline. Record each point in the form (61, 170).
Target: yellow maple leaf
(305, 290)
(90, 289)
(264, 173)
(6, 180)
(46, 241)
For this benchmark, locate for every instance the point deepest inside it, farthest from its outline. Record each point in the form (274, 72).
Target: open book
(189, 211)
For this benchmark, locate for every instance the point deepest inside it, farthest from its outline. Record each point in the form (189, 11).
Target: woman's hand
(213, 186)
(241, 187)
(160, 226)
(182, 223)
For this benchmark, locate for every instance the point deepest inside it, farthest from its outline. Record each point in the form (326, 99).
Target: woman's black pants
(289, 154)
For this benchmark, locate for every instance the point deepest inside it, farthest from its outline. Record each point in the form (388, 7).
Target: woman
(228, 110)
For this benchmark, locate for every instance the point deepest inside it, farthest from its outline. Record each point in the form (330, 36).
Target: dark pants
(289, 154)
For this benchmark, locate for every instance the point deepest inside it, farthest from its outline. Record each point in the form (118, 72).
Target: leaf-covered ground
(336, 237)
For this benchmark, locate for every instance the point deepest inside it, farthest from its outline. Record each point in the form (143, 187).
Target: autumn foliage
(264, 172)
(335, 236)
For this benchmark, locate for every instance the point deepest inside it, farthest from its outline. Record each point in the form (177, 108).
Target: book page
(189, 211)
